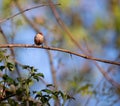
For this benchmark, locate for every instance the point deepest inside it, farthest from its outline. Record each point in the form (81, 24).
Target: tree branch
(61, 50)
(12, 16)
(63, 26)
(48, 52)
(11, 49)
(88, 52)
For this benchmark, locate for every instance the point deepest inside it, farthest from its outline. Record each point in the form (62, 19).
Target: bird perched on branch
(39, 39)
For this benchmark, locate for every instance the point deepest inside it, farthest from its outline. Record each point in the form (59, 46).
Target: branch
(59, 49)
(6, 98)
(65, 28)
(48, 52)
(12, 16)
(11, 49)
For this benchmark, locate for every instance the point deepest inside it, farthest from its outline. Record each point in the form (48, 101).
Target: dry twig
(19, 13)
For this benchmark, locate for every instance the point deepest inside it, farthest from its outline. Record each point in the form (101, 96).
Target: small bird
(39, 39)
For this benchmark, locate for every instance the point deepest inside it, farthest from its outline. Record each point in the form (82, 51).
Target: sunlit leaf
(8, 79)
(10, 66)
(25, 66)
(47, 91)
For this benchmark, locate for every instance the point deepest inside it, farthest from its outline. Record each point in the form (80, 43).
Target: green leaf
(19, 79)
(1, 57)
(10, 66)
(28, 81)
(37, 75)
(8, 79)
(45, 99)
(34, 92)
(49, 85)
(25, 67)
(47, 91)
(30, 68)
(40, 75)
(39, 94)
(70, 97)
(20, 91)
(2, 68)
(12, 102)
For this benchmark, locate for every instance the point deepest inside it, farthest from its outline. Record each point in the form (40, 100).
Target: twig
(10, 17)
(7, 97)
(64, 27)
(105, 74)
(109, 70)
(48, 52)
(59, 49)
(11, 49)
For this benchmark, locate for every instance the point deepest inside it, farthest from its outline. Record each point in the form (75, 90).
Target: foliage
(16, 91)
(77, 84)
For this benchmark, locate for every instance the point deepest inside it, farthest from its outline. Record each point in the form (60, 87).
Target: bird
(39, 39)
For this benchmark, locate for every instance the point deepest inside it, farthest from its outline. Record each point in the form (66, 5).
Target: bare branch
(59, 49)
(10, 17)
(65, 28)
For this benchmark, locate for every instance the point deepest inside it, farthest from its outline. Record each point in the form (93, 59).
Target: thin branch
(11, 49)
(19, 13)
(61, 50)
(109, 70)
(105, 74)
(7, 97)
(48, 52)
(65, 28)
